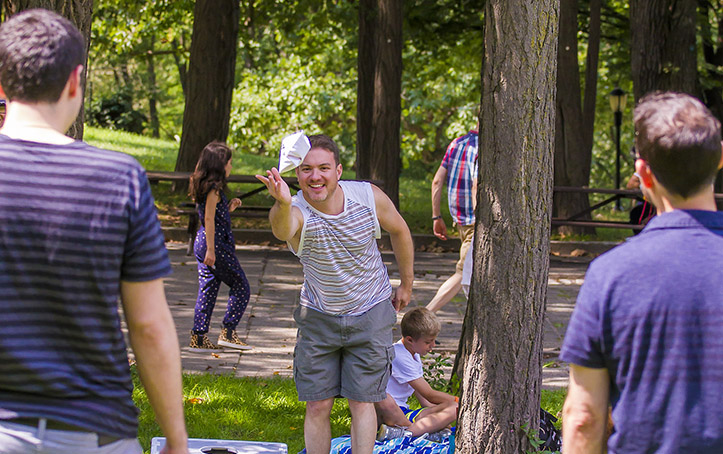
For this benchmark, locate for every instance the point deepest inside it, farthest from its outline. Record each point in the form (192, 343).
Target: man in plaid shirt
(459, 170)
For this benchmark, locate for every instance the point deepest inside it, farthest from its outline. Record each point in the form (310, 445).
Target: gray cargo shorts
(344, 356)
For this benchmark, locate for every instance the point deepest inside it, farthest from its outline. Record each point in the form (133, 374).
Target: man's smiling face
(318, 175)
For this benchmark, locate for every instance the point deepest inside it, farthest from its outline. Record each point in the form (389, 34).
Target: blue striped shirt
(651, 313)
(76, 220)
(343, 269)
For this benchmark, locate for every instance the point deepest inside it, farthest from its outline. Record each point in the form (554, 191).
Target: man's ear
(339, 171)
(646, 175)
(720, 164)
(2, 93)
(74, 82)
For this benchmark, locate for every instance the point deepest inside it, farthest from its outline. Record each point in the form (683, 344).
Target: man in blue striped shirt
(646, 334)
(79, 232)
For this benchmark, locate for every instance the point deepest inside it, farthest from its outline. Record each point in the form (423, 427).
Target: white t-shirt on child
(405, 368)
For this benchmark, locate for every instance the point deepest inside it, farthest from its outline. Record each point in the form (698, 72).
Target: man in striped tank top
(79, 232)
(646, 335)
(347, 305)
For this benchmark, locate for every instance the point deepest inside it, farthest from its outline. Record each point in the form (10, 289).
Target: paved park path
(275, 278)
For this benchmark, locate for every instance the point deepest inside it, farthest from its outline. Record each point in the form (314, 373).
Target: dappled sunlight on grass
(255, 409)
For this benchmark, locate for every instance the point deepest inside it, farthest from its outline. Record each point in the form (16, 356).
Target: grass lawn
(414, 185)
(253, 409)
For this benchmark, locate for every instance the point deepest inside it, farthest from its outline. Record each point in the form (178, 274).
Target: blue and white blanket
(403, 445)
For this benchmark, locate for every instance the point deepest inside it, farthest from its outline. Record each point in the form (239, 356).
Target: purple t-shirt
(651, 313)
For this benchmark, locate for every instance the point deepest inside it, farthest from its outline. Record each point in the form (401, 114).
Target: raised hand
(234, 203)
(276, 185)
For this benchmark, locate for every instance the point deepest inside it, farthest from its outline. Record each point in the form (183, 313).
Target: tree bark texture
(210, 78)
(573, 124)
(381, 160)
(663, 51)
(365, 85)
(80, 13)
(504, 319)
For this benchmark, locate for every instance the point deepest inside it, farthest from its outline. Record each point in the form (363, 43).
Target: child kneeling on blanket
(420, 328)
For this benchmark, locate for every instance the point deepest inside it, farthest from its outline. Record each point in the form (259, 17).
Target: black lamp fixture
(618, 97)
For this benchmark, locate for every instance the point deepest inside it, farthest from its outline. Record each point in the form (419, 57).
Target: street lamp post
(617, 104)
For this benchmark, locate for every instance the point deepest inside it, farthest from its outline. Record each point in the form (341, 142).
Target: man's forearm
(403, 248)
(281, 219)
(584, 419)
(159, 367)
(437, 186)
(153, 338)
(583, 433)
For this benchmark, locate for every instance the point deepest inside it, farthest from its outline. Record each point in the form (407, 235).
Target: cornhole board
(211, 446)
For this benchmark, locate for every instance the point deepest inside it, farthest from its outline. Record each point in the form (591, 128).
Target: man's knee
(319, 408)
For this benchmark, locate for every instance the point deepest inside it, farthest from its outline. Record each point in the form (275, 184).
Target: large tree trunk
(503, 325)
(382, 160)
(663, 51)
(210, 78)
(80, 13)
(573, 124)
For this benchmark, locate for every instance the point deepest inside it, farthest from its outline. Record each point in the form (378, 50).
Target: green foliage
(534, 439)
(296, 69)
(116, 112)
(434, 370)
(125, 34)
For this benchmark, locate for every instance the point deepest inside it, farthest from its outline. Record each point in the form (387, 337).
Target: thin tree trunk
(573, 154)
(182, 69)
(386, 118)
(365, 86)
(713, 54)
(152, 92)
(80, 13)
(210, 78)
(503, 324)
(589, 102)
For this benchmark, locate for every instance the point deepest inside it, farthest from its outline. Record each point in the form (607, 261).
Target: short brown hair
(419, 322)
(327, 143)
(38, 51)
(680, 139)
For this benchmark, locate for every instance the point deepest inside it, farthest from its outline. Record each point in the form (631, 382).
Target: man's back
(76, 221)
(651, 313)
(460, 161)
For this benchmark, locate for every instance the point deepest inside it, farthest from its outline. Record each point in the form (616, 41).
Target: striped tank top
(343, 269)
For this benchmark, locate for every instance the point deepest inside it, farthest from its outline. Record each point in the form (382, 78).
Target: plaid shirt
(461, 164)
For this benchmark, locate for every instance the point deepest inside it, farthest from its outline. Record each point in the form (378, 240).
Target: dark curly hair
(210, 173)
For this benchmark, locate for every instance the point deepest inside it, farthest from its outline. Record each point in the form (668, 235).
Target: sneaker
(387, 432)
(228, 338)
(201, 343)
(439, 436)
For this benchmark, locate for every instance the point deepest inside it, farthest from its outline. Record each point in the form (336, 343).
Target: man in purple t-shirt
(647, 330)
